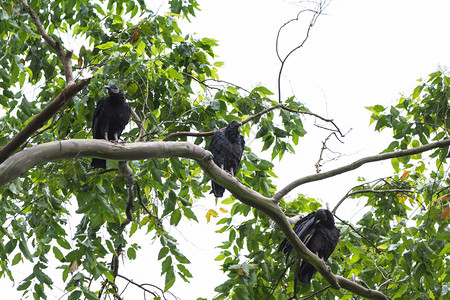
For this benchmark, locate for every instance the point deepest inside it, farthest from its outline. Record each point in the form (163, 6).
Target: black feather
(318, 233)
(227, 147)
(110, 118)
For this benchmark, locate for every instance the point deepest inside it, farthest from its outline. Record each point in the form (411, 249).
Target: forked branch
(353, 166)
(316, 14)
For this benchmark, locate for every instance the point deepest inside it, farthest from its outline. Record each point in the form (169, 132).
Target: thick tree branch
(42, 118)
(24, 160)
(353, 166)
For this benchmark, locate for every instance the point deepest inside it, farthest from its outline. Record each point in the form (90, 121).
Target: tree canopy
(398, 249)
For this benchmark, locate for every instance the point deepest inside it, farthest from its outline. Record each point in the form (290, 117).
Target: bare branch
(353, 166)
(42, 118)
(316, 293)
(315, 115)
(324, 147)
(359, 233)
(316, 13)
(368, 191)
(140, 125)
(142, 286)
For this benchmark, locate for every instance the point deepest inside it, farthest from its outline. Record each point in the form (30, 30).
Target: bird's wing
(305, 230)
(240, 150)
(301, 229)
(98, 109)
(129, 109)
(96, 119)
(329, 239)
(218, 147)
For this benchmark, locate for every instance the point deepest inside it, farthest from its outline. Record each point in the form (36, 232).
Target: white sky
(360, 53)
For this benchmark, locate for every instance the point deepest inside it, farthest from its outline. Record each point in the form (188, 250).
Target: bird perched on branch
(227, 147)
(110, 118)
(317, 231)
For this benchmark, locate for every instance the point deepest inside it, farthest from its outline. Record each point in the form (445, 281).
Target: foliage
(165, 74)
(159, 68)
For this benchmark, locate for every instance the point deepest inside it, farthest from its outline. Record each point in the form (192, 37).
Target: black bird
(227, 146)
(318, 233)
(110, 118)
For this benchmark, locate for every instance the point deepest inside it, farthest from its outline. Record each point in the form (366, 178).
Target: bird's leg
(232, 172)
(323, 262)
(106, 135)
(116, 137)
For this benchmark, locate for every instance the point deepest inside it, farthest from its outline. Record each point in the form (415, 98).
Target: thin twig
(316, 13)
(316, 293)
(350, 194)
(359, 233)
(315, 115)
(158, 220)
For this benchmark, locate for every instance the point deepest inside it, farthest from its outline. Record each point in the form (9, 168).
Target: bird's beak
(107, 87)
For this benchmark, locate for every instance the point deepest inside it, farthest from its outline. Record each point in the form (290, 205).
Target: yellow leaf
(240, 271)
(210, 213)
(223, 210)
(73, 266)
(383, 246)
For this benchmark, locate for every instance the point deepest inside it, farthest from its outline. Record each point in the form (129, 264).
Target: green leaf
(89, 294)
(17, 258)
(24, 248)
(395, 164)
(163, 252)
(131, 253)
(75, 295)
(402, 289)
(185, 271)
(170, 279)
(167, 263)
(175, 217)
(58, 254)
(445, 250)
(140, 48)
(105, 46)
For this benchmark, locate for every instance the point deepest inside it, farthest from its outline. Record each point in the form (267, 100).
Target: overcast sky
(359, 53)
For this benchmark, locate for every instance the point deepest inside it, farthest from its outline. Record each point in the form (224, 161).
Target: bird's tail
(217, 190)
(305, 272)
(98, 163)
